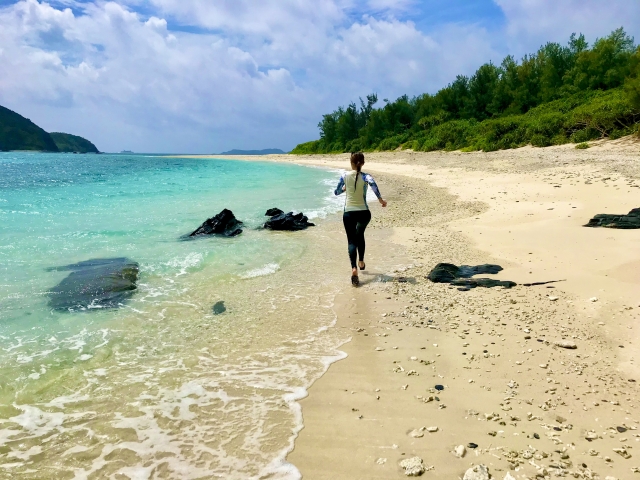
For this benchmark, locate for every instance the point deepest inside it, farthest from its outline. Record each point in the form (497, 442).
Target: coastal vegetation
(20, 133)
(73, 143)
(560, 94)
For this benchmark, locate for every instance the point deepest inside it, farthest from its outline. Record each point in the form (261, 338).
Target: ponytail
(357, 160)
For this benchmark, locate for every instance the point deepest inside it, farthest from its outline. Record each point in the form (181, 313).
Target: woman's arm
(372, 183)
(340, 188)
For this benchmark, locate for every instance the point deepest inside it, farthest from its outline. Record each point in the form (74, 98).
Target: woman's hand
(382, 202)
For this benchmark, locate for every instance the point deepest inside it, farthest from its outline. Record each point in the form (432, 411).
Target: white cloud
(255, 75)
(531, 23)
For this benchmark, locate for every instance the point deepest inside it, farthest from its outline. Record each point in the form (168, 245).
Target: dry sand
(534, 409)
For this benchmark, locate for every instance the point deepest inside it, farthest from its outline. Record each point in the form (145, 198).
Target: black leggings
(354, 224)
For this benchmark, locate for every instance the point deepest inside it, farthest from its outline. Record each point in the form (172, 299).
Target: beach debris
(508, 476)
(622, 452)
(219, 308)
(381, 461)
(460, 451)
(95, 284)
(566, 344)
(417, 433)
(591, 435)
(432, 429)
(553, 299)
(288, 221)
(413, 467)
(477, 472)
(593, 299)
(629, 221)
(272, 212)
(224, 223)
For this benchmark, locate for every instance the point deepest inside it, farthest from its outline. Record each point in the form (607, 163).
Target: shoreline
(531, 407)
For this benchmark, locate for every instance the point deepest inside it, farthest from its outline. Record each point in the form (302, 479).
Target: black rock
(621, 429)
(97, 283)
(536, 436)
(628, 221)
(444, 273)
(219, 308)
(461, 276)
(472, 445)
(288, 221)
(225, 223)
(439, 387)
(272, 212)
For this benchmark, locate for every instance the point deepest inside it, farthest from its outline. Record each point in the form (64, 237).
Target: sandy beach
(484, 376)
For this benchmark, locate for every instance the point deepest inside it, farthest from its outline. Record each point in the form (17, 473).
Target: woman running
(356, 215)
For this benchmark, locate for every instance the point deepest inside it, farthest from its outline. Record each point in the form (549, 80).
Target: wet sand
(518, 402)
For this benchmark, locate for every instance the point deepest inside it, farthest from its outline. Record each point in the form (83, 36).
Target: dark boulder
(97, 283)
(219, 308)
(225, 223)
(461, 276)
(272, 212)
(628, 221)
(288, 221)
(448, 272)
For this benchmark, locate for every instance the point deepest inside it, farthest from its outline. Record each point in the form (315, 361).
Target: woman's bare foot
(354, 272)
(361, 265)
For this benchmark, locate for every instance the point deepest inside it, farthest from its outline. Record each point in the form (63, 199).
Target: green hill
(19, 133)
(73, 143)
(560, 94)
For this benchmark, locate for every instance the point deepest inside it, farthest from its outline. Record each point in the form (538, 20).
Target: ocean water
(161, 387)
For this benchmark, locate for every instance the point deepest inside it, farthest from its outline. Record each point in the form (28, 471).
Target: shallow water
(161, 387)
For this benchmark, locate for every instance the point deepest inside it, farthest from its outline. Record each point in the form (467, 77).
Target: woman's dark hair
(357, 160)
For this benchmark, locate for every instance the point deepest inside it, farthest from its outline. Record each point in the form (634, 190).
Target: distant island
(20, 133)
(561, 94)
(266, 151)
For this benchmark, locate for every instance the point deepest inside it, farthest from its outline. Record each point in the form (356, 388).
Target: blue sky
(204, 76)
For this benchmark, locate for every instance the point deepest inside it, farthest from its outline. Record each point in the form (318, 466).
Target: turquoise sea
(161, 387)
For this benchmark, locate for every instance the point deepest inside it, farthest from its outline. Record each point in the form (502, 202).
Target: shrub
(582, 146)
(539, 140)
(307, 148)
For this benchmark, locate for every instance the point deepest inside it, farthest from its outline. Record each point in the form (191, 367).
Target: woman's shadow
(369, 277)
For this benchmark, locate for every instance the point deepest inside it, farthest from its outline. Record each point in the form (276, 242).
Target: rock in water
(413, 467)
(628, 221)
(225, 223)
(97, 283)
(477, 472)
(288, 221)
(272, 212)
(219, 308)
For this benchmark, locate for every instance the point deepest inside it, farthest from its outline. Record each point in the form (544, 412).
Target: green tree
(481, 91)
(604, 66)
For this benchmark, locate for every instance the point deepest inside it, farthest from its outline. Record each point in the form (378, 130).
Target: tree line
(560, 94)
